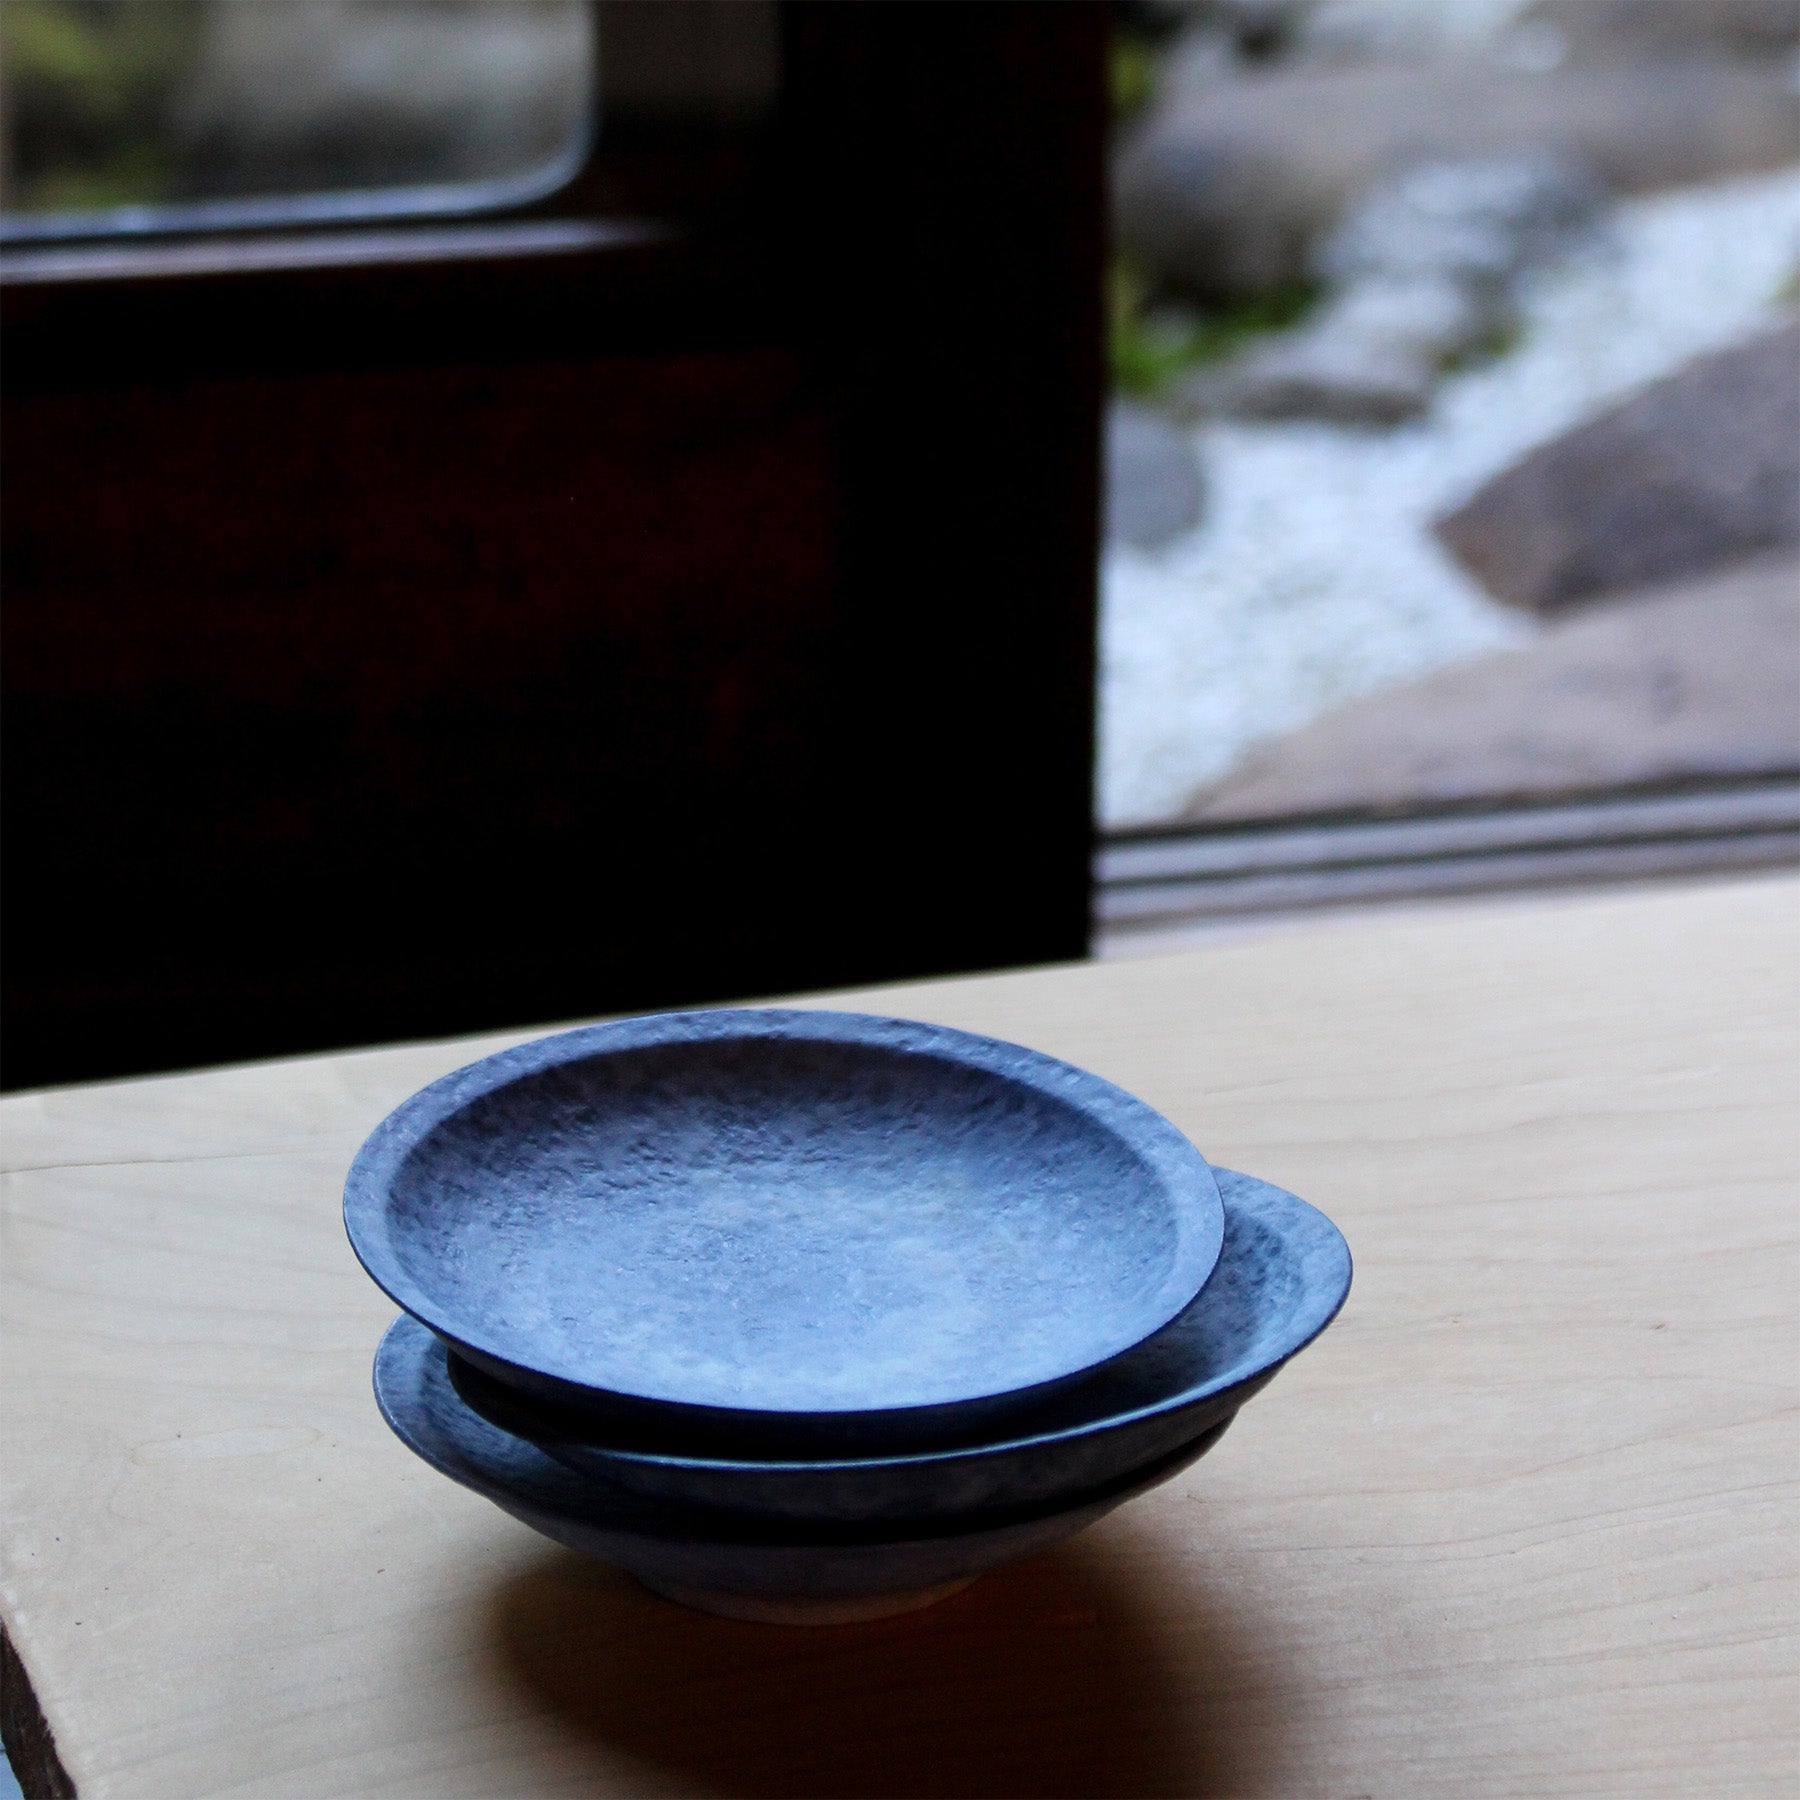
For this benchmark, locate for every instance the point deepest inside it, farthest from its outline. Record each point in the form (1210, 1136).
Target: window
(148, 115)
(446, 624)
(1454, 453)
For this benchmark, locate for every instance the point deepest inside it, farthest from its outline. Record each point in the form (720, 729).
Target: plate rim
(638, 1517)
(1177, 1165)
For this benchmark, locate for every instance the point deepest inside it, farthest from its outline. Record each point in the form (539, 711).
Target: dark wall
(476, 640)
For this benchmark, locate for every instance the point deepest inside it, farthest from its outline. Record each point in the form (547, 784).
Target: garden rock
(1153, 491)
(1336, 369)
(1361, 30)
(1695, 470)
(1696, 680)
(1609, 30)
(1425, 266)
(1225, 188)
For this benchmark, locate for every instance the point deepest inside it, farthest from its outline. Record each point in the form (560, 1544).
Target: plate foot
(804, 1609)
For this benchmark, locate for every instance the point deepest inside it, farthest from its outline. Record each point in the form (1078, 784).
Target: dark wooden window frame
(796, 689)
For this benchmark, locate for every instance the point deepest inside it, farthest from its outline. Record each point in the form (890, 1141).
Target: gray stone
(1153, 490)
(1608, 30)
(1543, 34)
(1223, 190)
(1261, 27)
(1217, 217)
(1689, 473)
(1426, 265)
(1691, 681)
(1329, 371)
(1398, 30)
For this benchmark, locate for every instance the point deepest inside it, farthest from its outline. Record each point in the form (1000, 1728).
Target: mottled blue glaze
(808, 1228)
(1281, 1278)
(673, 1547)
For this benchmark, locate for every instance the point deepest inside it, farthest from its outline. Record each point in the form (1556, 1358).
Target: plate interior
(777, 1220)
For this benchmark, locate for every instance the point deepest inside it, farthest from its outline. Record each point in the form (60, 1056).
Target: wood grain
(1522, 1523)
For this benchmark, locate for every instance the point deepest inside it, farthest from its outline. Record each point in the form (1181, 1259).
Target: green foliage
(1501, 341)
(87, 85)
(1131, 75)
(1150, 346)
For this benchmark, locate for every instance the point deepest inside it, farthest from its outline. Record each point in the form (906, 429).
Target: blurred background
(1455, 452)
(524, 508)
(170, 101)
(516, 511)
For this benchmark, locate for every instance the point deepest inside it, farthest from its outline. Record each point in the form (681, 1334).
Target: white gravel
(1312, 578)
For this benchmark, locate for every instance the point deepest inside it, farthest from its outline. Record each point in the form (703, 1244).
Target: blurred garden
(1455, 452)
(1450, 341)
(135, 103)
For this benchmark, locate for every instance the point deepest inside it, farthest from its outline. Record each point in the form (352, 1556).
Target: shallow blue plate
(771, 1228)
(723, 1563)
(1283, 1275)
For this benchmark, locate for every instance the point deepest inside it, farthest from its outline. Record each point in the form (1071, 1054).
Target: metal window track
(1223, 872)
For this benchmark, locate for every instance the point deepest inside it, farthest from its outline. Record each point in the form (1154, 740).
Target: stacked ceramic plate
(811, 1314)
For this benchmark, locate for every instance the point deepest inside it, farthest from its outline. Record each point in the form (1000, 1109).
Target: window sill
(326, 250)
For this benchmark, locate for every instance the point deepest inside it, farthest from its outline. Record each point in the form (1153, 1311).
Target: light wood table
(1523, 1522)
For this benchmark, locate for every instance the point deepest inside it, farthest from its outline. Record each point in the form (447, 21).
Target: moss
(1131, 76)
(1505, 337)
(1149, 347)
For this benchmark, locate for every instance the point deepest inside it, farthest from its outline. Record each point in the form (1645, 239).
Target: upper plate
(786, 1219)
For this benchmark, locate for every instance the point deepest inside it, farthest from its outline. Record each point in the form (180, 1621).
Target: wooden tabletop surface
(1522, 1522)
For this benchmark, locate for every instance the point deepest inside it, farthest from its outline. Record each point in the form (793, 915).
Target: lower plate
(748, 1568)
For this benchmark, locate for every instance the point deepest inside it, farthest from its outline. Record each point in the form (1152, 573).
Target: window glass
(133, 113)
(1453, 446)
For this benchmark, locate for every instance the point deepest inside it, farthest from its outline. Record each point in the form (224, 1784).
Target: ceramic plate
(808, 1227)
(1283, 1274)
(704, 1558)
